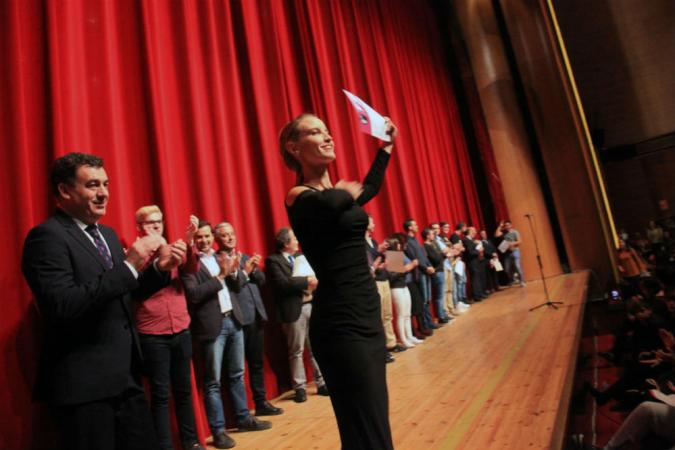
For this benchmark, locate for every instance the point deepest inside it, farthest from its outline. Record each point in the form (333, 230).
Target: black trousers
(167, 364)
(356, 377)
(477, 270)
(118, 423)
(254, 341)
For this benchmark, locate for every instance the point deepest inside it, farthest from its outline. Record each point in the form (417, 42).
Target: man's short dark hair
(460, 225)
(65, 167)
(282, 238)
(204, 223)
(407, 223)
(426, 232)
(442, 224)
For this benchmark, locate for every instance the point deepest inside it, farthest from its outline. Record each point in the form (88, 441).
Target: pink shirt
(165, 312)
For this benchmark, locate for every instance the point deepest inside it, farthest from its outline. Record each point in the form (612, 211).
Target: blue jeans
(425, 289)
(438, 282)
(513, 261)
(228, 347)
(459, 290)
(167, 362)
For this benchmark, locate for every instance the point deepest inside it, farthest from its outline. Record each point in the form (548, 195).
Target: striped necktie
(100, 245)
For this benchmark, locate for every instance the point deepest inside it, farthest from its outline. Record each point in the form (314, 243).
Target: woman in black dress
(345, 329)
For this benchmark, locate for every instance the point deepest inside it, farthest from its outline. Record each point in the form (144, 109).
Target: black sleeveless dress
(346, 327)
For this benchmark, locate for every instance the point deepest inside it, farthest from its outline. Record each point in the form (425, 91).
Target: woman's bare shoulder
(294, 193)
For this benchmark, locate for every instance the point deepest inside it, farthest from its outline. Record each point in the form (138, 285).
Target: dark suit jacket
(89, 331)
(201, 292)
(436, 256)
(288, 290)
(414, 250)
(250, 299)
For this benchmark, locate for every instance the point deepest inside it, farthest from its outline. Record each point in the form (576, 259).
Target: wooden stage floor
(499, 377)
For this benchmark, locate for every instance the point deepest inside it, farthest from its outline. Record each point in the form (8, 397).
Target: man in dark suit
(253, 316)
(216, 324)
(84, 283)
(421, 273)
(475, 260)
(294, 304)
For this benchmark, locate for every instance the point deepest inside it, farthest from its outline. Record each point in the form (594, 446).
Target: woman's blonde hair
(291, 132)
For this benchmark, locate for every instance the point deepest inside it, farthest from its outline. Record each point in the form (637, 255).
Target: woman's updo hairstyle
(290, 132)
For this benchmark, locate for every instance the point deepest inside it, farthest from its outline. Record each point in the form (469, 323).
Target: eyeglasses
(152, 222)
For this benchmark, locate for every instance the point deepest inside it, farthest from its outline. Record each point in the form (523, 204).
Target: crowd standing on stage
(104, 306)
(643, 344)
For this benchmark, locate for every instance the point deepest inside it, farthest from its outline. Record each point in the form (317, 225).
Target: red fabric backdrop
(184, 101)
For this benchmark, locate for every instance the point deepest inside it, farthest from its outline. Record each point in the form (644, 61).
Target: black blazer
(436, 256)
(288, 290)
(414, 250)
(89, 331)
(201, 292)
(250, 299)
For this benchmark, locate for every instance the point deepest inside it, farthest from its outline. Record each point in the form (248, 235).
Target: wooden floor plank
(499, 377)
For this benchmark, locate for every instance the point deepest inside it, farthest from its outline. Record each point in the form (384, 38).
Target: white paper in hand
(370, 121)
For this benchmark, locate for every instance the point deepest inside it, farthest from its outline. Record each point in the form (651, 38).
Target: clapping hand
(171, 256)
(251, 263)
(191, 230)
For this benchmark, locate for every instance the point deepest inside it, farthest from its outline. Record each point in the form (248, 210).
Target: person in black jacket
(475, 257)
(415, 250)
(217, 318)
(253, 316)
(84, 283)
(294, 304)
(437, 260)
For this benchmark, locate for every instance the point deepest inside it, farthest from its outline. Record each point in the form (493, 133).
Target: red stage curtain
(184, 100)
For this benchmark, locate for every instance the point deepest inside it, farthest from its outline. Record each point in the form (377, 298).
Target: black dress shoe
(389, 358)
(252, 424)
(397, 348)
(300, 395)
(222, 440)
(443, 320)
(267, 409)
(323, 390)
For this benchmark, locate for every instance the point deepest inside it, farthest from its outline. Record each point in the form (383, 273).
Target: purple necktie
(100, 245)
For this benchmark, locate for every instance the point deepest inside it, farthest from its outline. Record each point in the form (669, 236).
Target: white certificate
(504, 246)
(370, 121)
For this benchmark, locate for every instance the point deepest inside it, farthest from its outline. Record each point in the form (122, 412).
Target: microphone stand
(548, 301)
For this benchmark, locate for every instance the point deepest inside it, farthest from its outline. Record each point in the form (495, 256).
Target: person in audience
(401, 294)
(84, 283)
(346, 331)
(216, 325)
(253, 315)
(293, 296)
(163, 325)
(630, 265)
(378, 268)
(648, 418)
(654, 233)
(437, 261)
(415, 250)
(506, 232)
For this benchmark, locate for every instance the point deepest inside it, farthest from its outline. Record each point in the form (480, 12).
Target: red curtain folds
(184, 101)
